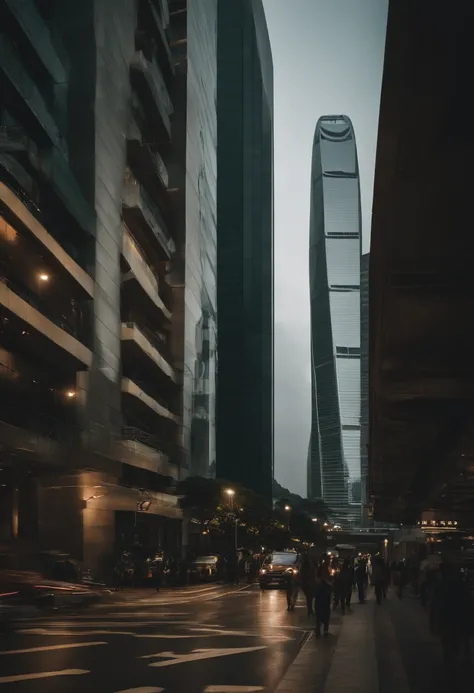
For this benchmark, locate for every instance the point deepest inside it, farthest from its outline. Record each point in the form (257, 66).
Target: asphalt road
(207, 639)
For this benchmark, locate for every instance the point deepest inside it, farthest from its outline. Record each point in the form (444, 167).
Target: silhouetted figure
(361, 579)
(322, 600)
(308, 583)
(451, 615)
(343, 583)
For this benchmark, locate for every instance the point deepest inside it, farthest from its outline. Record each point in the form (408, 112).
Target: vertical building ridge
(245, 246)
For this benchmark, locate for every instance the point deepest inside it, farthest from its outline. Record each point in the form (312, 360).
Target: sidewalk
(374, 649)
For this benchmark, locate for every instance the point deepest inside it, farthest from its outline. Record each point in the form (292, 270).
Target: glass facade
(195, 299)
(334, 463)
(245, 246)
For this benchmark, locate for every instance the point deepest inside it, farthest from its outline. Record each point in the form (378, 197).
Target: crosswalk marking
(43, 675)
(47, 648)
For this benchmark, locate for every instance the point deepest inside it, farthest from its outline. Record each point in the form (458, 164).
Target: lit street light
(230, 493)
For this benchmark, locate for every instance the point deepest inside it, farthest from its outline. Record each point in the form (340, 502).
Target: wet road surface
(209, 639)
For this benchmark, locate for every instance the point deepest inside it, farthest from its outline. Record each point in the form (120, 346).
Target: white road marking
(84, 633)
(145, 689)
(43, 675)
(47, 648)
(197, 655)
(233, 689)
(277, 637)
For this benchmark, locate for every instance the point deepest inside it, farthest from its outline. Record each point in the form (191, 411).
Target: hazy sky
(328, 60)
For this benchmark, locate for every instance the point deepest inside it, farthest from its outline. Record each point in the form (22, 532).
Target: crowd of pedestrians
(441, 587)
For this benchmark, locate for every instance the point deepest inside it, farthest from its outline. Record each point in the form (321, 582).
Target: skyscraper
(245, 246)
(334, 471)
(108, 268)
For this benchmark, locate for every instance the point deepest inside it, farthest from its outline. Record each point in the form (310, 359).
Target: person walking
(343, 583)
(322, 600)
(361, 579)
(292, 588)
(308, 583)
(379, 579)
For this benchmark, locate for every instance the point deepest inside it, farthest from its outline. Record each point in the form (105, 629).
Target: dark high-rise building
(334, 471)
(108, 263)
(245, 246)
(364, 384)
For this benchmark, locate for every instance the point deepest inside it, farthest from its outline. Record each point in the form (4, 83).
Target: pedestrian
(379, 579)
(322, 600)
(308, 583)
(451, 614)
(343, 583)
(361, 579)
(402, 578)
(292, 588)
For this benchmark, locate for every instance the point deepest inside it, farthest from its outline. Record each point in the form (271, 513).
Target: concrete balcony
(154, 17)
(45, 246)
(40, 333)
(21, 81)
(141, 450)
(140, 280)
(147, 162)
(150, 86)
(49, 165)
(38, 34)
(140, 347)
(138, 396)
(144, 219)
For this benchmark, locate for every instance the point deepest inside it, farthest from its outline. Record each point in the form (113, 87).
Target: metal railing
(137, 435)
(34, 300)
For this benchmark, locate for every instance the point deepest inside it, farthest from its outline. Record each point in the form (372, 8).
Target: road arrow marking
(233, 689)
(197, 655)
(43, 675)
(47, 648)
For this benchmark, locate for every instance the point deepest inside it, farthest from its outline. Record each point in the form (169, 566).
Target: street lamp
(230, 493)
(288, 510)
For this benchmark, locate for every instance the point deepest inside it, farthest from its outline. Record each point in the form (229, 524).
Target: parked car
(205, 569)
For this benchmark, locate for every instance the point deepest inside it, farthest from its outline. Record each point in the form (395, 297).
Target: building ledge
(143, 456)
(132, 389)
(29, 222)
(36, 320)
(39, 36)
(130, 332)
(141, 273)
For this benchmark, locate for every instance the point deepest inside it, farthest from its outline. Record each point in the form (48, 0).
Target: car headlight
(262, 571)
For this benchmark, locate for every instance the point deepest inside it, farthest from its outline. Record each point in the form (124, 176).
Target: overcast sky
(328, 59)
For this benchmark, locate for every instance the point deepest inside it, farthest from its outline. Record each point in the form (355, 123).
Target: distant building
(334, 465)
(245, 246)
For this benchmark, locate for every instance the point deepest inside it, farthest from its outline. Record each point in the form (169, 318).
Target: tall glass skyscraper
(334, 469)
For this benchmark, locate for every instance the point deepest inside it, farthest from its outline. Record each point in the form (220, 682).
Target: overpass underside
(421, 449)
